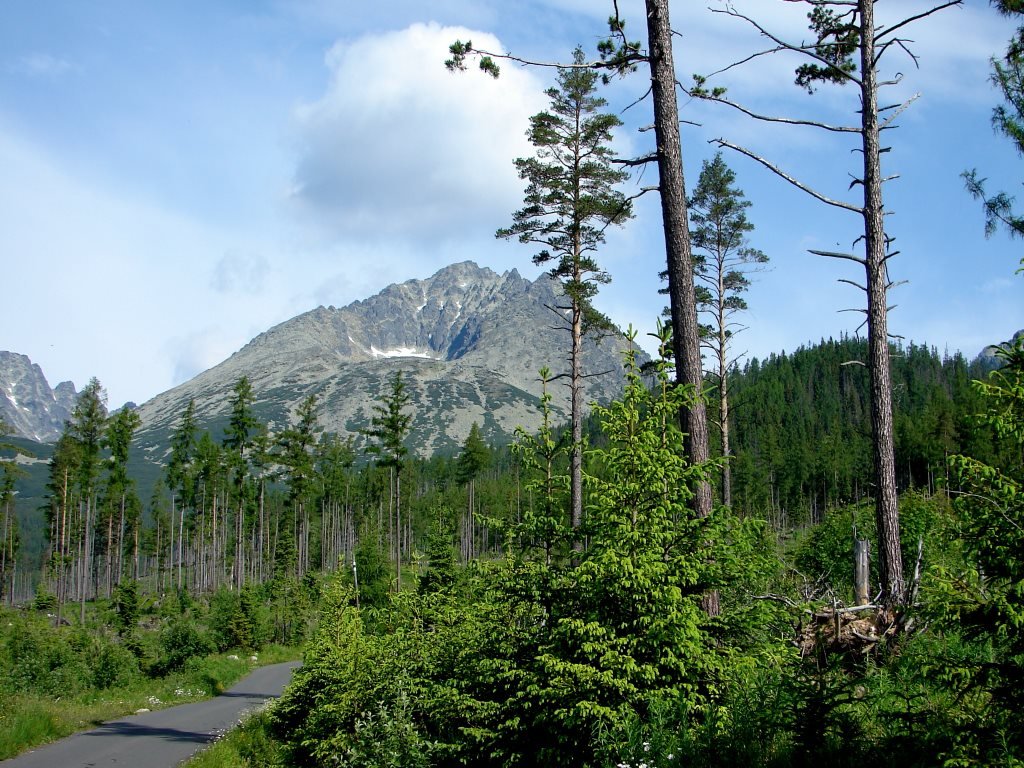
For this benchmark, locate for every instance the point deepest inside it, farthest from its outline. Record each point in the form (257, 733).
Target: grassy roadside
(247, 746)
(30, 720)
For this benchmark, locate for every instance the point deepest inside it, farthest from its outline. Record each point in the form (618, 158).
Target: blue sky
(178, 177)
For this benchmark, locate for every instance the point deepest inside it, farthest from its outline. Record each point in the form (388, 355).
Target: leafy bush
(38, 658)
(114, 666)
(180, 641)
(238, 619)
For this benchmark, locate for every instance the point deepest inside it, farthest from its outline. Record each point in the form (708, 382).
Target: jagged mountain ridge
(469, 341)
(27, 404)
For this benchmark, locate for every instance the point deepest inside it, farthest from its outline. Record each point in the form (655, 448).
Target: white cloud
(96, 278)
(239, 271)
(400, 148)
(192, 353)
(43, 65)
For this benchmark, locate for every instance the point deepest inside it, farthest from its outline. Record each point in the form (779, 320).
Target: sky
(176, 178)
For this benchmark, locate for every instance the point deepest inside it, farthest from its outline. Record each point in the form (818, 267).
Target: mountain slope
(470, 343)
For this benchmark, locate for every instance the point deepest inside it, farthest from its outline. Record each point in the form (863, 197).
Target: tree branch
(912, 19)
(837, 255)
(773, 118)
(729, 11)
(782, 174)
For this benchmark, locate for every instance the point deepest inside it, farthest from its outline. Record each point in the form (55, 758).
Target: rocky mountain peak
(27, 404)
(469, 340)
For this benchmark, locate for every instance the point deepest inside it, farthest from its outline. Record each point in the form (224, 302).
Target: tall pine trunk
(679, 258)
(890, 561)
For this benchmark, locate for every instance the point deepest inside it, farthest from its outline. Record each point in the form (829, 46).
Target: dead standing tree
(848, 47)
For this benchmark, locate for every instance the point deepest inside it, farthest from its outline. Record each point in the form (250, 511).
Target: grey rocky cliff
(27, 404)
(469, 341)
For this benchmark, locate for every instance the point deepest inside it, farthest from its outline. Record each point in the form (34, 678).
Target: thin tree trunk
(576, 398)
(398, 517)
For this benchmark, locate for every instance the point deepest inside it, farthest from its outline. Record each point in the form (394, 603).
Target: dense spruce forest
(811, 559)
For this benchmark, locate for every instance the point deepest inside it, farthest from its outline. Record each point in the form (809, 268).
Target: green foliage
(570, 199)
(722, 258)
(985, 601)
(372, 572)
(115, 666)
(238, 619)
(126, 604)
(181, 641)
(387, 738)
(389, 425)
(838, 40)
(1007, 119)
(37, 658)
(824, 555)
(298, 446)
(460, 50)
(474, 457)
(541, 653)
(442, 572)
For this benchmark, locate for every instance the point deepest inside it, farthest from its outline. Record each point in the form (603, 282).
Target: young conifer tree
(238, 440)
(570, 201)
(722, 261)
(389, 426)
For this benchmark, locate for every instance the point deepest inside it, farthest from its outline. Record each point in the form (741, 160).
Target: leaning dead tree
(847, 49)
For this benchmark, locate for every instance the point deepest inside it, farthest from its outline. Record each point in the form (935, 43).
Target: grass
(30, 720)
(247, 746)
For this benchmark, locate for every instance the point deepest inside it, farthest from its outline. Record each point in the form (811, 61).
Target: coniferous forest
(812, 558)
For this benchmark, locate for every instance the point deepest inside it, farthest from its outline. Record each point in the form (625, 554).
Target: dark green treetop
(389, 425)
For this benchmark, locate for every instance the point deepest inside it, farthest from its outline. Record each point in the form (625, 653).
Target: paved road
(164, 738)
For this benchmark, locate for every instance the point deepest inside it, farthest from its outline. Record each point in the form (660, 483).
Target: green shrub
(180, 641)
(114, 666)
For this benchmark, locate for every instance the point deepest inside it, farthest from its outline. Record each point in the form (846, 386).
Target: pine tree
(722, 261)
(88, 421)
(570, 201)
(473, 459)
(297, 446)
(121, 500)
(181, 481)
(238, 438)
(10, 540)
(389, 426)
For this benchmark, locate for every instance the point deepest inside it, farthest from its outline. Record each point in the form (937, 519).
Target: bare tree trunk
(110, 554)
(181, 548)
(398, 517)
(120, 544)
(723, 397)
(862, 570)
(679, 257)
(890, 561)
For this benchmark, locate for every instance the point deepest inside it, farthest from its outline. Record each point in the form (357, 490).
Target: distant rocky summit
(469, 341)
(27, 404)
(988, 358)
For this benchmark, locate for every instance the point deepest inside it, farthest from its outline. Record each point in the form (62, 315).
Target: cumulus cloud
(400, 148)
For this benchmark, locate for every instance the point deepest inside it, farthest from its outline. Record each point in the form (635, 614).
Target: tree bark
(576, 398)
(890, 561)
(679, 257)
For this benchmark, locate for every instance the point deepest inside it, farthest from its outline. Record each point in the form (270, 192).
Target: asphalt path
(164, 738)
